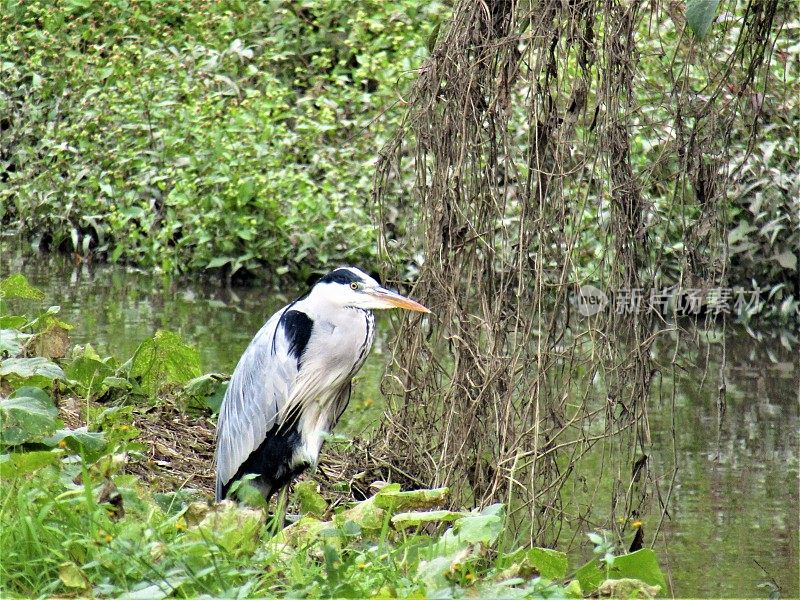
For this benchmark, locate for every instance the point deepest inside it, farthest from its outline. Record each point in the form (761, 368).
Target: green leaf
(494, 509)
(235, 528)
(80, 441)
(550, 563)
(218, 261)
(12, 341)
(12, 322)
(411, 519)
(482, 529)
(788, 260)
(28, 368)
(210, 388)
(351, 529)
(365, 513)
(740, 232)
(28, 414)
(71, 576)
(117, 383)
(699, 15)
(164, 359)
(205, 385)
(88, 371)
(214, 401)
(311, 502)
(641, 565)
(17, 286)
(433, 37)
(299, 534)
(22, 463)
(573, 589)
(393, 499)
(590, 576)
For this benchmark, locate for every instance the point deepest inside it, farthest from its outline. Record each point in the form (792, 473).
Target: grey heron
(293, 381)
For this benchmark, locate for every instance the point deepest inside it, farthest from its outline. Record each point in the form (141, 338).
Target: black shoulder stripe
(297, 328)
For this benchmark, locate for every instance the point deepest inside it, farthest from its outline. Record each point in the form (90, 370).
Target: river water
(733, 526)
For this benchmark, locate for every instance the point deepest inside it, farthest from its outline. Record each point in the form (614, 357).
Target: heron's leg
(281, 513)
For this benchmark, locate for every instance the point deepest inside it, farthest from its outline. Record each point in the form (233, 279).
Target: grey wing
(259, 388)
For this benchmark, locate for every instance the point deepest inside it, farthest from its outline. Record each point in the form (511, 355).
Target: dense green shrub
(192, 134)
(240, 136)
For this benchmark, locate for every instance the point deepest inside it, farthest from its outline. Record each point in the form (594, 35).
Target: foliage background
(240, 137)
(191, 134)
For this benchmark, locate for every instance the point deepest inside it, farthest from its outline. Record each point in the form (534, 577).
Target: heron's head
(351, 287)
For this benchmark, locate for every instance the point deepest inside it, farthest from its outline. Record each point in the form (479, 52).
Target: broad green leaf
(788, 260)
(389, 488)
(214, 401)
(482, 529)
(627, 588)
(22, 463)
(81, 441)
(432, 572)
(12, 342)
(590, 576)
(164, 359)
(210, 388)
(299, 534)
(494, 509)
(88, 372)
(641, 565)
(12, 322)
(351, 529)
(366, 513)
(393, 499)
(28, 368)
(71, 576)
(550, 563)
(311, 502)
(86, 351)
(205, 385)
(411, 519)
(48, 319)
(117, 383)
(27, 415)
(219, 261)
(700, 14)
(236, 529)
(740, 232)
(573, 589)
(17, 286)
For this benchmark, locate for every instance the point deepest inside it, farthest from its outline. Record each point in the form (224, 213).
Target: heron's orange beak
(390, 299)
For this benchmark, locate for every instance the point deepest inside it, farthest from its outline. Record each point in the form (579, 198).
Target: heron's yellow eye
(354, 286)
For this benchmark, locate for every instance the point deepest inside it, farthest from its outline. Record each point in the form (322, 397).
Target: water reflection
(734, 511)
(735, 502)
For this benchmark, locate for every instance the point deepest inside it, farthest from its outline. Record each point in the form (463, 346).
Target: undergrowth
(75, 519)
